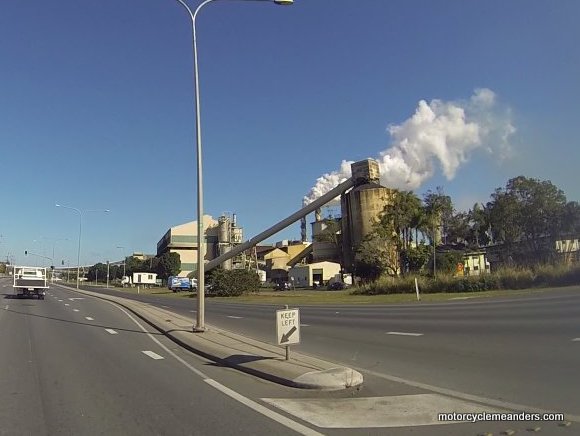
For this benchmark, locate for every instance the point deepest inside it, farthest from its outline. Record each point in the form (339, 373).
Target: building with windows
(220, 235)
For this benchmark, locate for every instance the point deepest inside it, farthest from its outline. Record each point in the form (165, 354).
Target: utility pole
(434, 254)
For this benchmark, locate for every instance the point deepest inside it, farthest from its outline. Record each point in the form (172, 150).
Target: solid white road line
(404, 334)
(153, 355)
(235, 317)
(299, 428)
(88, 318)
(111, 331)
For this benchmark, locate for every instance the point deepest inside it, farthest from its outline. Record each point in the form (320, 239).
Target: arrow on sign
(286, 337)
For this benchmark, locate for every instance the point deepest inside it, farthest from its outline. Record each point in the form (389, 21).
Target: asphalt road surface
(81, 366)
(522, 350)
(78, 365)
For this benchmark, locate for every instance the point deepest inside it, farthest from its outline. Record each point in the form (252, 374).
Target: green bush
(515, 278)
(557, 275)
(233, 283)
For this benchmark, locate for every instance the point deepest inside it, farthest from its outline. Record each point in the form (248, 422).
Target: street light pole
(53, 246)
(80, 234)
(124, 259)
(200, 325)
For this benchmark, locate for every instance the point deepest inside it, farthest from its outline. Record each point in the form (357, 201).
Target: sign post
(288, 328)
(417, 289)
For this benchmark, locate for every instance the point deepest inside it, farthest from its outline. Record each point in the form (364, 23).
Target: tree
(377, 253)
(438, 210)
(231, 283)
(570, 222)
(531, 212)
(458, 228)
(403, 214)
(397, 222)
(479, 224)
(168, 264)
(97, 272)
(413, 259)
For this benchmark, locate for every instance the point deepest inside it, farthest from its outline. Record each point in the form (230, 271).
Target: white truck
(30, 281)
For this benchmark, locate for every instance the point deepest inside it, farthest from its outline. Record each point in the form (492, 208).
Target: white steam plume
(439, 133)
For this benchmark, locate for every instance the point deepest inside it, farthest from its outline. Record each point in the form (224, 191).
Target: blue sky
(96, 106)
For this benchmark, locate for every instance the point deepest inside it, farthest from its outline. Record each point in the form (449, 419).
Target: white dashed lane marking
(235, 317)
(153, 355)
(66, 304)
(304, 325)
(111, 331)
(404, 334)
(75, 310)
(88, 318)
(576, 340)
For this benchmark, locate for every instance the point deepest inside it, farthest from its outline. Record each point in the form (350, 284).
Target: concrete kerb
(250, 356)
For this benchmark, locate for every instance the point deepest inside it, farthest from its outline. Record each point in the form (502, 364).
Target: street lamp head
(284, 2)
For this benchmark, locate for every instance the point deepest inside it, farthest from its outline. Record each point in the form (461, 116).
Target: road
(73, 364)
(80, 366)
(515, 350)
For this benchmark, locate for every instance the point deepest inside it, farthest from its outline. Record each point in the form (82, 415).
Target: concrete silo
(361, 207)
